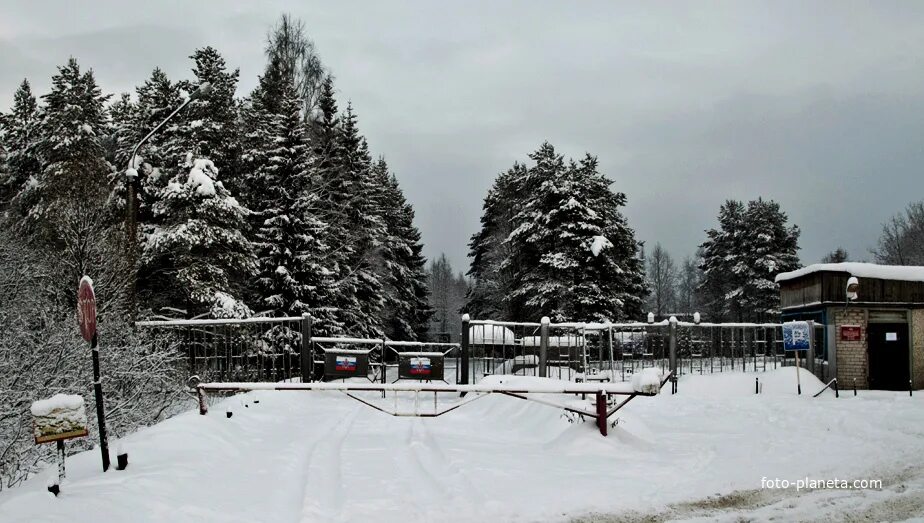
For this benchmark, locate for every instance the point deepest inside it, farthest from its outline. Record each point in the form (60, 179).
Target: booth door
(888, 356)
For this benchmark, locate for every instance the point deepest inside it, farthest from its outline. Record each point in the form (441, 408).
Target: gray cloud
(817, 105)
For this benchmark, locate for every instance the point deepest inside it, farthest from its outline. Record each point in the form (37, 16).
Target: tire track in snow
(449, 468)
(322, 498)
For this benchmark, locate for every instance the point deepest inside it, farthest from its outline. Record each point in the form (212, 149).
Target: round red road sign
(86, 309)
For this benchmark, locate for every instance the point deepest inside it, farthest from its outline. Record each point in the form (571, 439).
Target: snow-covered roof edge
(860, 270)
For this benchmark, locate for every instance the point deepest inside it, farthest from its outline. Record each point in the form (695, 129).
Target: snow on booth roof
(488, 334)
(860, 270)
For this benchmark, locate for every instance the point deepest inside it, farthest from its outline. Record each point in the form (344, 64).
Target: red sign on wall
(851, 333)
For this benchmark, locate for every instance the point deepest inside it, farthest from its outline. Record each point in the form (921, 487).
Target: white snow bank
(860, 270)
(489, 334)
(647, 381)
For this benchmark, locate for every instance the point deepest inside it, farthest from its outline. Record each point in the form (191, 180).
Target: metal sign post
(86, 316)
(797, 336)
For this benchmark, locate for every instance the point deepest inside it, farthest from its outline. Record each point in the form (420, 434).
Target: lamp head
(204, 89)
(853, 287)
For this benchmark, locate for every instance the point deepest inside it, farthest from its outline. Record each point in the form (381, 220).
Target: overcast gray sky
(818, 105)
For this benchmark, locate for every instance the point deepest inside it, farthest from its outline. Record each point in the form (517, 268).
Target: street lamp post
(131, 177)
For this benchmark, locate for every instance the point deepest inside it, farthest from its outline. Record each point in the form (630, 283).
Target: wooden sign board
(851, 333)
(61, 417)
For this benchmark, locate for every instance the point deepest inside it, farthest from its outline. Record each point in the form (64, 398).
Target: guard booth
(874, 335)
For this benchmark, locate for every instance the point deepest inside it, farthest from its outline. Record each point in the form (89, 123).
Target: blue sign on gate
(797, 335)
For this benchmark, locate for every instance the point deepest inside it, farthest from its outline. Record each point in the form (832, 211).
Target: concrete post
(673, 344)
(543, 346)
(306, 362)
(466, 321)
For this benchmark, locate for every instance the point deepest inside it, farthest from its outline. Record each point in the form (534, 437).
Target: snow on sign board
(346, 363)
(420, 366)
(797, 335)
(61, 417)
(86, 309)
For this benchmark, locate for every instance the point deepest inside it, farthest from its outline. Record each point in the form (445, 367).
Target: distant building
(876, 339)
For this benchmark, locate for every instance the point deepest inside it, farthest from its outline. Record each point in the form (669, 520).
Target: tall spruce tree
(209, 126)
(401, 269)
(772, 248)
(290, 245)
(195, 251)
(492, 279)
(723, 264)
(570, 253)
(74, 168)
(741, 258)
(20, 133)
(197, 246)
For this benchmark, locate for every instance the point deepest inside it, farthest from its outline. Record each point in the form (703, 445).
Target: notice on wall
(891, 336)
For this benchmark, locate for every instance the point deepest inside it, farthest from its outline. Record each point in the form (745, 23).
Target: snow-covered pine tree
(724, 265)
(569, 252)
(20, 132)
(614, 284)
(571, 267)
(291, 278)
(771, 247)
(328, 159)
(366, 230)
(401, 269)
(489, 295)
(74, 168)
(164, 153)
(197, 244)
(209, 126)
(742, 257)
(537, 266)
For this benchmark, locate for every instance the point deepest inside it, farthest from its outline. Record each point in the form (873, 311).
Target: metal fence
(253, 349)
(613, 352)
(284, 349)
(281, 349)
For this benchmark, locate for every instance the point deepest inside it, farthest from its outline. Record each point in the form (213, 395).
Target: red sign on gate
(86, 309)
(851, 333)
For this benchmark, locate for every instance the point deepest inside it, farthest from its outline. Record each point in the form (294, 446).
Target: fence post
(306, 362)
(672, 345)
(543, 346)
(466, 320)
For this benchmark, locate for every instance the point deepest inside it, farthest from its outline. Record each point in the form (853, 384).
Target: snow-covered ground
(320, 456)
